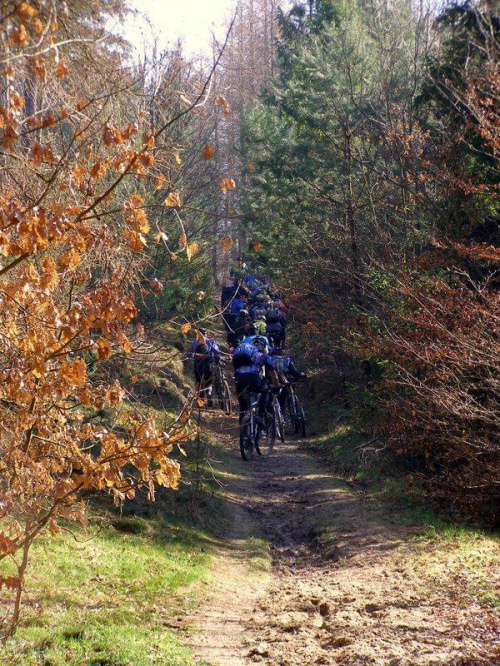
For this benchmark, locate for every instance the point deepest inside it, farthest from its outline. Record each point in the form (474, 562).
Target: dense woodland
(348, 148)
(370, 170)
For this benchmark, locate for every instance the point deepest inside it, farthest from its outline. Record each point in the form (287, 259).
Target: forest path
(347, 586)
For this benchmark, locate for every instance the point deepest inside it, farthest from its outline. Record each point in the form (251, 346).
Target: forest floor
(314, 570)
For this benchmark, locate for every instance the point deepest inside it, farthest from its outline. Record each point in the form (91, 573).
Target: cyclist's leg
(242, 391)
(209, 377)
(265, 398)
(282, 396)
(199, 378)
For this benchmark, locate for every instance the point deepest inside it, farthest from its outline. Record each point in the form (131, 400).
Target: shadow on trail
(309, 517)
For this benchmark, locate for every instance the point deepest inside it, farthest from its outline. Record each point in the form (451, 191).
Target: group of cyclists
(255, 318)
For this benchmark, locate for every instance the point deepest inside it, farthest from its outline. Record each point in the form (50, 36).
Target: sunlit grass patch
(111, 598)
(461, 559)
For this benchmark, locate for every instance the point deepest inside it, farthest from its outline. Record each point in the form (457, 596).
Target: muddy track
(343, 587)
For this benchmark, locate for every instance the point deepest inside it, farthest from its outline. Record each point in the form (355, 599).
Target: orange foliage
(57, 313)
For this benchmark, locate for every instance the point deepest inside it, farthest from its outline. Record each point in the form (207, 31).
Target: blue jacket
(251, 339)
(212, 349)
(250, 279)
(259, 361)
(285, 366)
(236, 306)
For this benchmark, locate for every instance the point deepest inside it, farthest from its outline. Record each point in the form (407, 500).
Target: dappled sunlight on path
(347, 586)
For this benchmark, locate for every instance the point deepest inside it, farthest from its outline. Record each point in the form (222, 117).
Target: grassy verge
(110, 600)
(117, 593)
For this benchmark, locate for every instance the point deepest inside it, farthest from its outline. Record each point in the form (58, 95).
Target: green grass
(119, 593)
(111, 598)
(462, 560)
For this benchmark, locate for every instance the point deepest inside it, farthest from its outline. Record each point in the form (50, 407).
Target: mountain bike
(256, 433)
(295, 410)
(221, 388)
(278, 420)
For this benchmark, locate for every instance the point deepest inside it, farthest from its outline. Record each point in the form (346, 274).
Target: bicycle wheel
(279, 421)
(292, 410)
(225, 398)
(246, 439)
(301, 421)
(266, 436)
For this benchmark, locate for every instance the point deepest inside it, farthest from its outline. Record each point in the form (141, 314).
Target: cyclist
(240, 327)
(205, 352)
(286, 371)
(276, 326)
(260, 325)
(253, 367)
(260, 341)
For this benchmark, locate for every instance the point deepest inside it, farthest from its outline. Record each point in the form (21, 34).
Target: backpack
(273, 316)
(258, 312)
(244, 354)
(201, 348)
(281, 364)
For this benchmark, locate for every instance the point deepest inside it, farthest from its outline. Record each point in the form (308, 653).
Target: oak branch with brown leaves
(75, 144)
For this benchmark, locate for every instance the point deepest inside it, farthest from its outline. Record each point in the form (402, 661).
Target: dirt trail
(345, 586)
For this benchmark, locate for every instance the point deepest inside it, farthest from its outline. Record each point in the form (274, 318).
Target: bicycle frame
(254, 411)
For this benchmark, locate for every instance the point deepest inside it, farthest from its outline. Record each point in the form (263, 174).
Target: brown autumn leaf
(159, 182)
(25, 11)
(19, 36)
(208, 152)
(111, 136)
(185, 328)
(70, 260)
(114, 395)
(136, 241)
(61, 70)
(74, 372)
(103, 348)
(98, 170)
(148, 139)
(50, 277)
(257, 246)
(156, 286)
(226, 244)
(222, 101)
(16, 101)
(191, 250)
(173, 200)
(227, 184)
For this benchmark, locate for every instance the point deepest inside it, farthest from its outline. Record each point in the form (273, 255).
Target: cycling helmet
(203, 331)
(260, 342)
(243, 313)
